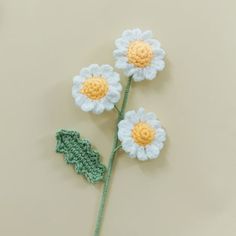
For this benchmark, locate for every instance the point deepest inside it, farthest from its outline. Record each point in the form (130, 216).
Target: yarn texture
(143, 133)
(95, 88)
(139, 54)
(79, 152)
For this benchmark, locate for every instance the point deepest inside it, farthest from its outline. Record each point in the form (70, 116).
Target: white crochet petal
(78, 79)
(130, 70)
(128, 34)
(95, 70)
(146, 35)
(108, 105)
(161, 65)
(154, 43)
(125, 125)
(137, 34)
(119, 52)
(115, 87)
(141, 154)
(113, 96)
(158, 144)
(159, 53)
(75, 91)
(152, 151)
(133, 153)
(98, 108)
(149, 73)
(85, 72)
(106, 68)
(124, 134)
(158, 64)
(121, 63)
(80, 100)
(161, 135)
(140, 113)
(113, 80)
(87, 106)
(128, 145)
(155, 123)
(138, 75)
(149, 116)
(131, 117)
(122, 43)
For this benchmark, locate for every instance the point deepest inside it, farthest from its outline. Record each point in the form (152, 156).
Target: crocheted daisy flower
(141, 135)
(96, 88)
(139, 55)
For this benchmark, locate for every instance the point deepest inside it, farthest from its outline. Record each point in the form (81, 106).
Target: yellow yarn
(95, 88)
(139, 54)
(143, 134)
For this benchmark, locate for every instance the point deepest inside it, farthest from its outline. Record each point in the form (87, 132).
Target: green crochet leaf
(79, 152)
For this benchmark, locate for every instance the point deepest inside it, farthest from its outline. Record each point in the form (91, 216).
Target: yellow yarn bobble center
(143, 134)
(95, 88)
(139, 54)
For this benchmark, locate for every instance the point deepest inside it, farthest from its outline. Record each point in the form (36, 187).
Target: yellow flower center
(143, 134)
(94, 88)
(139, 54)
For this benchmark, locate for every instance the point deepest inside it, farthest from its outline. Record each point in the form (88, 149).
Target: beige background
(189, 190)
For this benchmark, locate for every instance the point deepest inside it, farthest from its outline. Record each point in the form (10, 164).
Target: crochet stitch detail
(140, 54)
(79, 152)
(95, 88)
(143, 134)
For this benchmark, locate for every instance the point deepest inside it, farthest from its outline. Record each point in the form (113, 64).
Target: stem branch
(117, 109)
(117, 148)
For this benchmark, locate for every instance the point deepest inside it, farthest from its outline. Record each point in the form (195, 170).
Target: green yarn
(79, 152)
(115, 148)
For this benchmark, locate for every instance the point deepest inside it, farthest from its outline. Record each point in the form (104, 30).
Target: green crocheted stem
(115, 148)
(79, 152)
